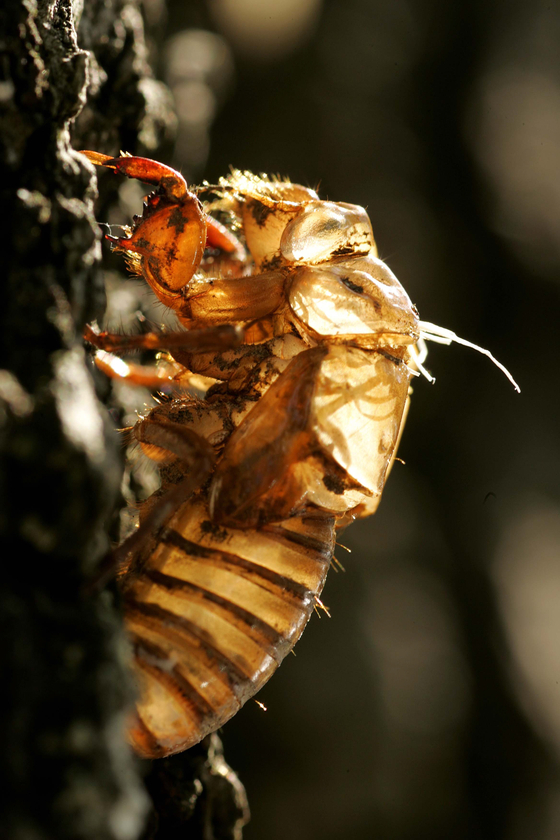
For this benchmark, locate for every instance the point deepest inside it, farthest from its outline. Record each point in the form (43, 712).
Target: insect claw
(91, 331)
(119, 242)
(97, 158)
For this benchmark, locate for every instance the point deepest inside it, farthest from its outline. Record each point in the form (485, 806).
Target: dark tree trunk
(68, 770)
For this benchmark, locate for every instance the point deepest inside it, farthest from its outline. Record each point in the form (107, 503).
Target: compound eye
(324, 230)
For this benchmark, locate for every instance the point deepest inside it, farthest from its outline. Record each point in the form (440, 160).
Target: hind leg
(167, 440)
(212, 339)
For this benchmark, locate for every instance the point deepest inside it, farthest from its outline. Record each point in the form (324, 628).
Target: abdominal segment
(211, 616)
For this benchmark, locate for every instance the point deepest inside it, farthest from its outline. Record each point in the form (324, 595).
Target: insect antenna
(441, 335)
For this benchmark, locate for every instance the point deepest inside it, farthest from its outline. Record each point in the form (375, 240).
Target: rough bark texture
(196, 791)
(68, 771)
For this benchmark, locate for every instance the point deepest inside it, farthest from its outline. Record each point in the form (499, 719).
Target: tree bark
(68, 770)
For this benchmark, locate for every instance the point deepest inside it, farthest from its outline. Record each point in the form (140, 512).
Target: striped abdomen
(211, 614)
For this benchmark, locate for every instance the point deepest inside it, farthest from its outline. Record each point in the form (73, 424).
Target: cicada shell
(309, 341)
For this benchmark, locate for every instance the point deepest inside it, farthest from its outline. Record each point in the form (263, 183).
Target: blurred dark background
(429, 705)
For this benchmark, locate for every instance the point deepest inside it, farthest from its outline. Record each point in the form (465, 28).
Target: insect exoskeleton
(309, 341)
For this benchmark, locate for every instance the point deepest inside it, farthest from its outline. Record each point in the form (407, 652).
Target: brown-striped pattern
(211, 615)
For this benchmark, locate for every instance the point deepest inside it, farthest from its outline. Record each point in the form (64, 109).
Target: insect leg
(173, 231)
(143, 169)
(206, 340)
(247, 298)
(218, 236)
(209, 340)
(198, 457)
(155, 378)
(170, 236)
